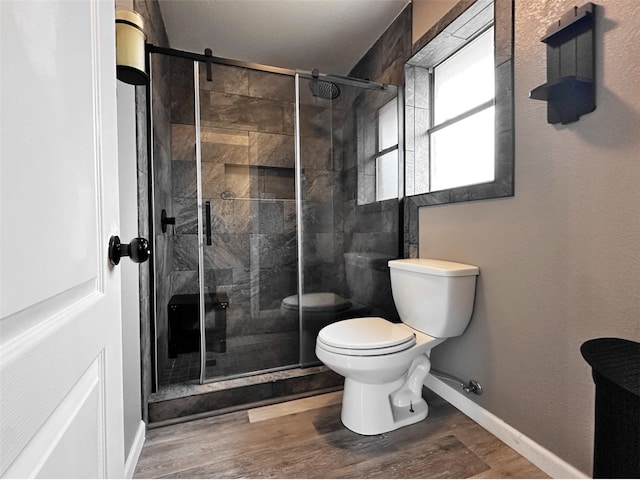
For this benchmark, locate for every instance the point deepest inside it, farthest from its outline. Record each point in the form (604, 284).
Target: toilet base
(367, 409)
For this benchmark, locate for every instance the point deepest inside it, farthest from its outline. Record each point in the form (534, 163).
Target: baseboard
(134, 452)
(542, 458)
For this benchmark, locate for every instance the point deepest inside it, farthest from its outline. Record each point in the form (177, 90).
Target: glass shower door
(249, 223)
(175, 210)
(347, 232)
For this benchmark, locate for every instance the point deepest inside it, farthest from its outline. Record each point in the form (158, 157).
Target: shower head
(323, 88)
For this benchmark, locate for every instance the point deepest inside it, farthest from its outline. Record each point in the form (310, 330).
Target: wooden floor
(305, 439)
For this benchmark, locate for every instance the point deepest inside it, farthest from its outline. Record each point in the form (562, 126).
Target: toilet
(319, 309)
(384, 363)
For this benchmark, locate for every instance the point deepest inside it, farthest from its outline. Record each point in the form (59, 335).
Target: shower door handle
(207, 212)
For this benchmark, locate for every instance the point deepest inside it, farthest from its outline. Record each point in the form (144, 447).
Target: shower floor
(249, 353)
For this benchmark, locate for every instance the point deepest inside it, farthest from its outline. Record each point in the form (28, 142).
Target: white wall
(128, 183)
(560, 261)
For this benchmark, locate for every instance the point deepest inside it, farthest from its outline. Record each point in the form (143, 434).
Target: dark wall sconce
(570, 89)
(130, 43)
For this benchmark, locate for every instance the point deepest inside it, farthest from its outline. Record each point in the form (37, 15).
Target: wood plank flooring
(305, 439)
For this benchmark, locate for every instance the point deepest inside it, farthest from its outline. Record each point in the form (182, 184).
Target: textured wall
(560, 261)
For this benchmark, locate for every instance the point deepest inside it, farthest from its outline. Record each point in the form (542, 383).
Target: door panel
(60, 330)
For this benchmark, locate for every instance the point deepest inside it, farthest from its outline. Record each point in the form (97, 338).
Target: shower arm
(472, 387)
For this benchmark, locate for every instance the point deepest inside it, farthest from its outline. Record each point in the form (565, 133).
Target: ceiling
(331, 35)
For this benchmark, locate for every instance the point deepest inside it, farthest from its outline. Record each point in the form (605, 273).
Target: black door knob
(137, 250)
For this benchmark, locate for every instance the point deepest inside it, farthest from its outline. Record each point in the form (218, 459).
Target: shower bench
(184, 323)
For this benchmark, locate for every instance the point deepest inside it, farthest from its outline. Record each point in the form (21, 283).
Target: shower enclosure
(262, 182)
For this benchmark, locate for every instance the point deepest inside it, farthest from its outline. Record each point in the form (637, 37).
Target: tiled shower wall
(376, 227)
(248, 176)
(156, 34)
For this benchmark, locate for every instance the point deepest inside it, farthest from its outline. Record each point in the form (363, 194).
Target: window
(437, 150)
(387, 152)
(462, 136)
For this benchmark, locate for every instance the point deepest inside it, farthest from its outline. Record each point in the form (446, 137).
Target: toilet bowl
(319, 309)
(385, 363)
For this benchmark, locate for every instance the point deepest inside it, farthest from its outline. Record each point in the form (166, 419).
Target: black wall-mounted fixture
(570, 89)
(164, 220)
(138, 250)
(208, 53)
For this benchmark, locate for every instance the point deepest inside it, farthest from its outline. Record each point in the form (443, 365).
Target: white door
(60, 330)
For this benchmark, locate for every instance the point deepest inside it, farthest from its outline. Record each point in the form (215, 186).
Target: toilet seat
(317, 302)
(366, 336)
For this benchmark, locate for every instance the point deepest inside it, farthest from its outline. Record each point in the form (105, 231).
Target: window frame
(453, 30)
(436, 127)
(382, 152)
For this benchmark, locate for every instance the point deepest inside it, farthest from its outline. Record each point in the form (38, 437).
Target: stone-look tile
(325, 248)
(409, 125)
(396, 43)
(181, 72)
(271, 85)
(225, 153)
(227, 251)
(482, 18)
(213, 180)
(154, 25)
(503, 31)
(183, 142)
(315, 121)
(185, 211)
(162, 179)
(315, 153)
(272, 150)
(182, 105)
(184, 282)
(274, 285)
(225, 136)
(289, 217)
(317, 186)
(275, 183)
(317, 217)
(409, 85)
(231, 216)
(184, 179)
(270, 217)
(185, 252)
(409, 168)
(237, 181)
(225, 79)
(273, 250)
(504, 95)
(350, 183)
(422, 88)
(257, 114)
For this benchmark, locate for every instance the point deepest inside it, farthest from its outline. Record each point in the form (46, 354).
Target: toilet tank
(434, 296)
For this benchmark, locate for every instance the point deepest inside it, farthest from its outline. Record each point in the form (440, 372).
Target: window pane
(463, 153)
(388, 125)
(465, 80)
(387, 176)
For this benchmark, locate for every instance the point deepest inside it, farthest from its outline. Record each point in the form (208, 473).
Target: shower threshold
(191, 400)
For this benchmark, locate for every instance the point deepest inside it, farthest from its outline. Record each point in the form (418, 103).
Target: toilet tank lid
(430, 266)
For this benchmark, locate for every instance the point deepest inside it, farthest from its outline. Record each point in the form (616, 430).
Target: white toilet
(385, 363)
